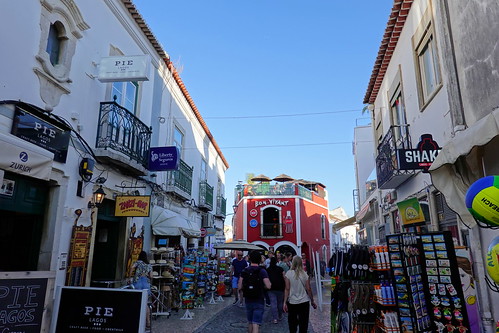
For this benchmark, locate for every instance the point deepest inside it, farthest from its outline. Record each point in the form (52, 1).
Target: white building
(64, 104)
(435, 75)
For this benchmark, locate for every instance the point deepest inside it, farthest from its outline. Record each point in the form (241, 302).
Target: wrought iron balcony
(122, 139)
(221, 206)
(179, 182)
(271, 230)
(387, 166)
(205, 196)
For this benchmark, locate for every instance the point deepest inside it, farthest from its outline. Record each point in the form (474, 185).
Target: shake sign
(420, 158)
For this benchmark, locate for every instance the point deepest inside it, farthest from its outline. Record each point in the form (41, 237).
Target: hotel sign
(420, 158)
(133, 206)
(42, 131)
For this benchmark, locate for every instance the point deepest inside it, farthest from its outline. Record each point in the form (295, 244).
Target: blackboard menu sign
(79, 309)
(21, 305)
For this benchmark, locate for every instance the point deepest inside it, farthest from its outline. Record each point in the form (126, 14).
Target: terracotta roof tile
(166, 58)
(394, 26)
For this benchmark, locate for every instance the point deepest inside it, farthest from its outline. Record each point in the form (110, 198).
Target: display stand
(212, 298)
(164, 272)
(188, 315)
(219, 298)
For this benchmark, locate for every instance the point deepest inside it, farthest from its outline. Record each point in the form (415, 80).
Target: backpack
(252, 283)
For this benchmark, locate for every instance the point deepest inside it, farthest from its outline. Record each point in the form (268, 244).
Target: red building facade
(288, 217)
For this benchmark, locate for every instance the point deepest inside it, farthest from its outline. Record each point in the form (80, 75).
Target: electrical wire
(282, 115)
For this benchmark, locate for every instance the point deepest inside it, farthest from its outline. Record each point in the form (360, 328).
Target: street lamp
(97, 198)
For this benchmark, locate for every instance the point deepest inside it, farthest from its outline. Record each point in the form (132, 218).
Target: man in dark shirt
(255, 306)
(237, 266)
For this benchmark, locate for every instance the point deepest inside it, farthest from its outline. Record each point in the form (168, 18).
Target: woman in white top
(297, 297)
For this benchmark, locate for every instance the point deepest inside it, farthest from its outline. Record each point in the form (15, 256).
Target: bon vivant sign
(124, 68)
(80, 309)
(420, 158)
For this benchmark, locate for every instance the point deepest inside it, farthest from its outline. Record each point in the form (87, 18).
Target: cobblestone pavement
(224, 317)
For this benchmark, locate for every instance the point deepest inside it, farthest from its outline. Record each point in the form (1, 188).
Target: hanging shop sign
(124, 68)
(410, 211)
(420, 158)
(22, 302)
(132, 205)
(97, 309)
(42, 131)
(163, 158)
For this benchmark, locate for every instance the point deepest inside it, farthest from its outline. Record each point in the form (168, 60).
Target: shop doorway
(22, 211)
(109, 246)
(286, 248)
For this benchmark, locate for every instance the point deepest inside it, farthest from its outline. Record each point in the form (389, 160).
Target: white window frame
(426, 59)
(123, 88)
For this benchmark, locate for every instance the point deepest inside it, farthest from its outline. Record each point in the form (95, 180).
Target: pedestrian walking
(285, 263)
(253, 281)
(237, 266)
(298, 297)
(142, 275)
(276, 292)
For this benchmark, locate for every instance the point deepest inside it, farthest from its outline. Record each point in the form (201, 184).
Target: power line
(281, 115)
(289, 145)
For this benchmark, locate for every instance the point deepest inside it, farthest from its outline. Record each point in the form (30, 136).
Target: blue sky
(280, 83)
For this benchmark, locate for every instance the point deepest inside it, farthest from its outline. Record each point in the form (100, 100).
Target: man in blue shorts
(253, 281)
(237, 266)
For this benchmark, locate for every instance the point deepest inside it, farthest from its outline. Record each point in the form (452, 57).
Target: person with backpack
(276, 292)
(253, 281)
(297, 297)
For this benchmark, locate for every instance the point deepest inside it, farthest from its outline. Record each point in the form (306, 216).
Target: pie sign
(203, 232)
(253, 212)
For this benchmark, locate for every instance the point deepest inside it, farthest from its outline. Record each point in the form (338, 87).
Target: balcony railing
(387, 166)
(278, 189)
(180, 181)
(120, 130)
(271, 230)
(221, 206)
(205, 195)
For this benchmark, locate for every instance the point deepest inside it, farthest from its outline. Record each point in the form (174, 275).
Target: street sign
(204, 232)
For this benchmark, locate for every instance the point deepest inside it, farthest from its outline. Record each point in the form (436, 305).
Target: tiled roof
(390, 39)
(166, 58)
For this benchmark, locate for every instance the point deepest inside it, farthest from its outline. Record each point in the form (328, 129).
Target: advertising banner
(99, 310)
(410, 211)
(132, 205)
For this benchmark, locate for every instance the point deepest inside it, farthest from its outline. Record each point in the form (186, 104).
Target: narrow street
(224, 317)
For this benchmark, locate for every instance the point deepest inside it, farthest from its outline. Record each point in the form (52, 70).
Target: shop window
(271, 225)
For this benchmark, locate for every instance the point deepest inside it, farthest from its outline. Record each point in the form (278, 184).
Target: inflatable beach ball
(492, 262)
(482, 200)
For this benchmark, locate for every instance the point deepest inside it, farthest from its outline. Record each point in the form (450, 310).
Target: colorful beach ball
(482, 200)
(492, 260)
